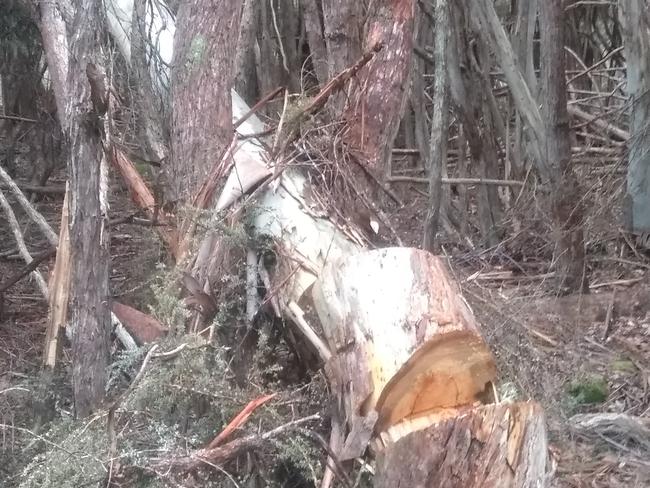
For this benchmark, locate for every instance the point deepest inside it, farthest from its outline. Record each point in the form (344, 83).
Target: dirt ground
(543, 343)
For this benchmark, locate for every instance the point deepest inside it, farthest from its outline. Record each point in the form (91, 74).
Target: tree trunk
(245, 70)
(413, 375)
(315, 38)
(439, 124)
(152, 111)
(204, 49)
(375, 108)
(566, 208)
(89, 295)
(637, 53)
(343, 24)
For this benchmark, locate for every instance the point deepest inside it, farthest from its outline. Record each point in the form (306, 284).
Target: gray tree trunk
(566, 206)
(637, 52)
(245, 68)
(439, 123)
(89, 297)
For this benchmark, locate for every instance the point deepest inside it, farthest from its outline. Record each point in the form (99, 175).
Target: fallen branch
(26, 270)
(457, 181)
(229, 451)
(256, 107)
(599, 122)
(619, 425)
(20, 242)
(239, 419)
(29, 209)
(42, 190)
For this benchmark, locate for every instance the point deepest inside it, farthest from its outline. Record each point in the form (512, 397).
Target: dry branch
(20, 242)
(29, 209)
(229, 451)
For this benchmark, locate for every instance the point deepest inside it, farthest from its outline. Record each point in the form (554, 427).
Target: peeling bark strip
(494, 446)
(89, 309)
(375, 108)
(204, 50)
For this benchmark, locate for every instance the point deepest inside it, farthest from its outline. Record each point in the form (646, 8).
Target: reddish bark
(202, 77)
(375, 107)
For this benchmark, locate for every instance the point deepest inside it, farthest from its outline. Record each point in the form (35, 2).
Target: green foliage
(73, 455)
(589, 390)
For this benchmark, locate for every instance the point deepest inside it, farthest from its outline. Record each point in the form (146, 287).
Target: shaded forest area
(316, 243)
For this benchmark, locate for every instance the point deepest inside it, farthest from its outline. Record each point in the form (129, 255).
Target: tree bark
(439, 124)
(316, 40)
(245, 69)
(374, 110)
(493, 446)
(637, 53)
(343, 24)
(204, 49)
(566, 207)
(152, 111)
(90, 308)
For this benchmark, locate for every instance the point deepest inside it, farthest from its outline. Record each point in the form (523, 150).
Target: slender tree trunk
(202, 77)
(151, 109)
(314, 29)
(439, 124)
(245, 69)
(637, 53)
(90, 308)
(343, 23)
(566, 208)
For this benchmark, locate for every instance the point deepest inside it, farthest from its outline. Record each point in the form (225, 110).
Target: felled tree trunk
(413, 376)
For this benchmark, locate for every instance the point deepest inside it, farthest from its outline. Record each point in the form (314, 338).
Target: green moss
(589, 390)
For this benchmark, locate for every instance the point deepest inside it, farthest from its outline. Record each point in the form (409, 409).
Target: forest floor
(561, 351)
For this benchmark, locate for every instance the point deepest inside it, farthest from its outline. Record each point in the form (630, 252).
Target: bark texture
(439, 124)
(375, 108)
(637, 53)
(343, 24)
(202, 77)
(245, 69)
(89, 306)
(566, 207)
(494, 446)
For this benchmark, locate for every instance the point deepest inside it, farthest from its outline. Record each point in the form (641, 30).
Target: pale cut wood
(59, 290)
(400, 335)
(492, 446)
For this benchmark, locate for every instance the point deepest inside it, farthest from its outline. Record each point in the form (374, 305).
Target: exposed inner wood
(449, 371)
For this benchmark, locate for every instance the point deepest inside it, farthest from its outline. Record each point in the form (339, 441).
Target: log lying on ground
(413, 375)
